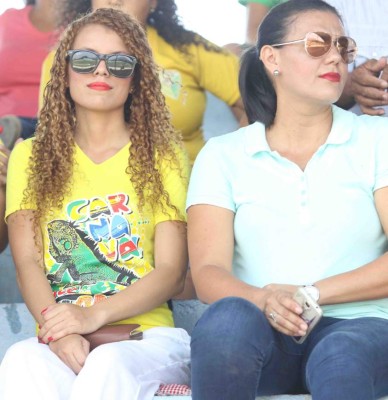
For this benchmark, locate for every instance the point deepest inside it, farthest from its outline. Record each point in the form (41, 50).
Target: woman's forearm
(161, 284)
(214, 283)
(368, 282)
(27, 252)
(35, 289)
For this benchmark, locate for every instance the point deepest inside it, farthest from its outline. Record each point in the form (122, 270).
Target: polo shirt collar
(255, 140)
(343, 123)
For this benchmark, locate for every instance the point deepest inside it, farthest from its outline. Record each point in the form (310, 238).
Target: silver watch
(312, 291)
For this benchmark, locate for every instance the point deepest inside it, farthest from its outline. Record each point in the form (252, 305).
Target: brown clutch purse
(113, 333)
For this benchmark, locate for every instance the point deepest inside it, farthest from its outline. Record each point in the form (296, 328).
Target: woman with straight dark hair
(288, 220)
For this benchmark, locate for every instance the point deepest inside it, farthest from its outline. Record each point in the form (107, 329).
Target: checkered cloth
(173, 390)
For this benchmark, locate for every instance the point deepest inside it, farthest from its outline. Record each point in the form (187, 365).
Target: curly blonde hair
(152, 136)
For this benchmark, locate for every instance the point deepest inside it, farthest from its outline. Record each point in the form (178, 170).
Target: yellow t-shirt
(99, 243)
(184, 83)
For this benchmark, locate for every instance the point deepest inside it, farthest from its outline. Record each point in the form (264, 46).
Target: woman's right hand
(282, 311)
(72, 350)
(61, 320)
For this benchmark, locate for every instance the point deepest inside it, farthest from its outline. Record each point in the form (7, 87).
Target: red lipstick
(331, 76)
(99, 86)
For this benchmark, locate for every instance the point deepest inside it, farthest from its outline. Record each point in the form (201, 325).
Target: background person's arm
(4, 154)
(45, 76)
(366, 86)
(239, 112)
(255, 14)
(3, 225)
(256, 11)
(4, 157)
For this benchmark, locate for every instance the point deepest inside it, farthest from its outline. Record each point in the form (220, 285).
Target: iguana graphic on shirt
(81, 258)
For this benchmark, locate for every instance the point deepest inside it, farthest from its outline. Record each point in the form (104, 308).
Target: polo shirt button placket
(304, 214)
(303, 191)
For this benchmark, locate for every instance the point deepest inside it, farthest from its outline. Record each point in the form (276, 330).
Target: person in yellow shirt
(95, 210)
(190, 65)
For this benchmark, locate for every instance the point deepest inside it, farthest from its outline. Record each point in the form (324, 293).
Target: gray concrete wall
(16, 323)
(9, 292)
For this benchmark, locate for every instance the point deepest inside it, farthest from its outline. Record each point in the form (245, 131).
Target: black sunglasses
(317, 44)
(87, 61)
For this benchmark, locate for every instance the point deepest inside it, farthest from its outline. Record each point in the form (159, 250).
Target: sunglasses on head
(87, 61)
(317, 44)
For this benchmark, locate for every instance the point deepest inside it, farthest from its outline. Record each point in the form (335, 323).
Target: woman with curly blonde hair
(95, 211)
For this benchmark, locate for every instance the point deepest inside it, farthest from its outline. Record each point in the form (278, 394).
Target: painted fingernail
(43, 311)
(1, 129)
(50, 339)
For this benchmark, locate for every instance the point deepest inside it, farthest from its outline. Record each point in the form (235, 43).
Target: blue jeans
(28, 127)
(236, 354)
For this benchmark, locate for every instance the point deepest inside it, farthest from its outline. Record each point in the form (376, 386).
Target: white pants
(129, 370)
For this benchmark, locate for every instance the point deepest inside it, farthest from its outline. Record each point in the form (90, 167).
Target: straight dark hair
(257, 90)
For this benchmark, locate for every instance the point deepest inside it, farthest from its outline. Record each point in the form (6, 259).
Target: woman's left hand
(282, 311)
(61, 320)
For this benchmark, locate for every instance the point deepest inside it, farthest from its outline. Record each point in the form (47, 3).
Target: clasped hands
(282, 311)
(62, 329)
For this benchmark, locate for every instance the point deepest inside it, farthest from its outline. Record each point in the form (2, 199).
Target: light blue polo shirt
(293, 226)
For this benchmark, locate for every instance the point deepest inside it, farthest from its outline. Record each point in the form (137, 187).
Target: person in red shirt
(26, 37)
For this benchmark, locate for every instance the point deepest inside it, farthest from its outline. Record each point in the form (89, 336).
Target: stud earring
(276, 72)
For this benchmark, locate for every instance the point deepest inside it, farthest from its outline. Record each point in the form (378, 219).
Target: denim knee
(231, 327)
(227, 350)
(227, 316)
(338, 368)
(340, 349)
